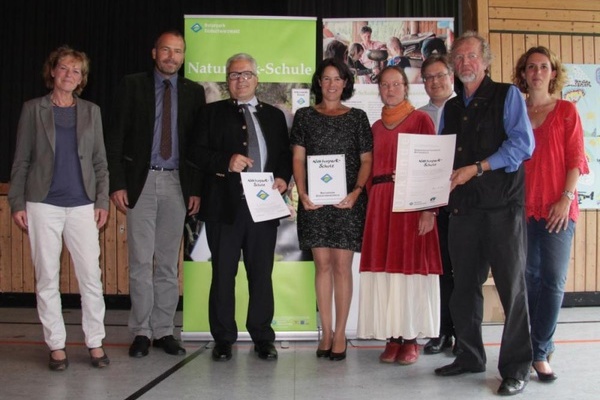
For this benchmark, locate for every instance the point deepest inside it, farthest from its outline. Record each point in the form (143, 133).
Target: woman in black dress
(332, 232)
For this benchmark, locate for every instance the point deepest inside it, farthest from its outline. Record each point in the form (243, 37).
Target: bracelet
(569, 195)
(361, 187)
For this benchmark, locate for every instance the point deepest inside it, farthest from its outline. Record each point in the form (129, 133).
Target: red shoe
(408, 353)
(390, 354)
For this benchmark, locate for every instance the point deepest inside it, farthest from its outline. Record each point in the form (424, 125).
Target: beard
(468, 77)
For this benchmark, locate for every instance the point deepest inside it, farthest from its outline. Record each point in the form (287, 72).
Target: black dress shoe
(437, 345)
(455, 369)
(170, 345)
(221, 351)
(266, 350)
(139, 347)
(545, 377)
(511, 386)
(323, 353)
(333, 356)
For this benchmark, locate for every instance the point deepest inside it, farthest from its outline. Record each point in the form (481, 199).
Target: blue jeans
(546, 273)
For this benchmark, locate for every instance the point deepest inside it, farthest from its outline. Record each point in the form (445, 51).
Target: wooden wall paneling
(596, 235)
(559, 16)
(531, 40)
(506, 63)
(577, 49)
(597, 50)
(108, 260)
(27, 266)
(18, 258)
(543, 40)
(5, 245)
(543, 26)
(588, 50)
(591, 249)
(495, 41)
(573, 260)
(589, 5)
(65, 271)
(483, 18)
(519, 47)
(566, 49)
(579, 253)
(122, 259)
(555, 46)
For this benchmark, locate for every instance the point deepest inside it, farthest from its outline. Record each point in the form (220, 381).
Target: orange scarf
(392, 116)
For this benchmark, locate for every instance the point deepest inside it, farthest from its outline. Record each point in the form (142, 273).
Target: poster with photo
(583, 89)
(367, 45)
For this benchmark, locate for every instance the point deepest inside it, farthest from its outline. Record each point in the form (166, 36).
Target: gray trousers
(154, 234)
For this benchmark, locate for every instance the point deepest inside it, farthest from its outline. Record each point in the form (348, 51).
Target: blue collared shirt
(159, 92)
(520, 143)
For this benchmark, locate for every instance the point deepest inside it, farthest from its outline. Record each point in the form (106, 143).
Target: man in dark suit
(150, 182)
(228, 145)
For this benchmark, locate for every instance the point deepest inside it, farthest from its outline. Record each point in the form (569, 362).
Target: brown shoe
(58, 365)
(408, 353)
(390, 354)
(99, 362)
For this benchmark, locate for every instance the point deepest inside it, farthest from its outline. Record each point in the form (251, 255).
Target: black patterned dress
(320, 134)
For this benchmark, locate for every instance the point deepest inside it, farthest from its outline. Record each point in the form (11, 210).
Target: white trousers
(48, 225)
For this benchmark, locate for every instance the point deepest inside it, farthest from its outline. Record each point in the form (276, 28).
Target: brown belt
(383, 178)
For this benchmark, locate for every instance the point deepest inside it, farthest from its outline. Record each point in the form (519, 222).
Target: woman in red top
(400, 260)
(550, 195)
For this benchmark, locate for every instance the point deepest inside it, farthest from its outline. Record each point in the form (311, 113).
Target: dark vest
(479, 129)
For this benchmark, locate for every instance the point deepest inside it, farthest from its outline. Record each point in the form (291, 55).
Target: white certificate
(326, 178)
(264, 202)
(423, 168)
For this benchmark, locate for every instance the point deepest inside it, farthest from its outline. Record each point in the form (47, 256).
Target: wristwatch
(479, 168)
(569, 195)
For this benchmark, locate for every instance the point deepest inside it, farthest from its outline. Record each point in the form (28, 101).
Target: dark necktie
(165, 136)
(253, 148)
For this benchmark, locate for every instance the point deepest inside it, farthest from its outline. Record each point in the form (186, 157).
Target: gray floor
(298, 374)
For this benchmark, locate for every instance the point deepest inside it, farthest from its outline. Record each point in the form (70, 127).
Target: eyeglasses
(390, 85)
(433, 78)
(245, 75)
(461, 57)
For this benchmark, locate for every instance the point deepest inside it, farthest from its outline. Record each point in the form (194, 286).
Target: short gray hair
(241, 56)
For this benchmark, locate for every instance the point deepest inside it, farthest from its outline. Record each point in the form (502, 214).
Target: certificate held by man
(423, 168)
(326, 178)
(264, 202)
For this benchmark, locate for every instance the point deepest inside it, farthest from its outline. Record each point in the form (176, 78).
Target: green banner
(293, 288)
(283, 48)
(285, 51)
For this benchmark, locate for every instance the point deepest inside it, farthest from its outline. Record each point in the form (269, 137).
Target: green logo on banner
(283, 48)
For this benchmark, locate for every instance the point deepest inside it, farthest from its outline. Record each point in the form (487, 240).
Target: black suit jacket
(131, 129)
(223, 134)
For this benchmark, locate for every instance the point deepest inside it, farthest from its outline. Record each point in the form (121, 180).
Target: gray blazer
(33, 165)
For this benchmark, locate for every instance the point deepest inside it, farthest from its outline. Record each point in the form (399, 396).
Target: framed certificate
(326, 178)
